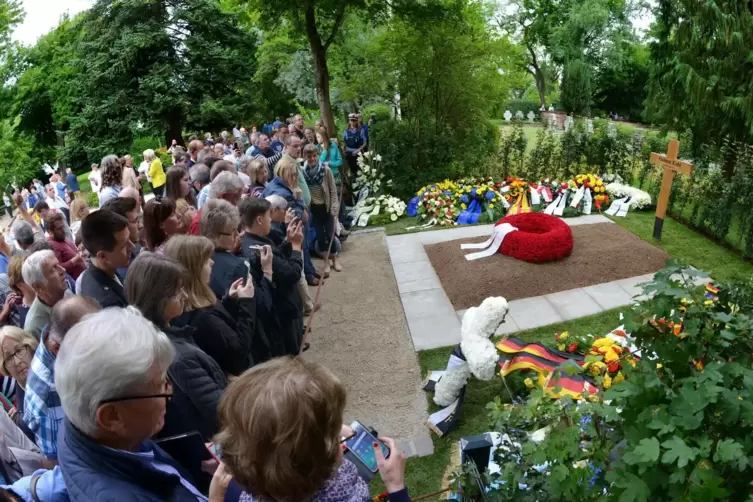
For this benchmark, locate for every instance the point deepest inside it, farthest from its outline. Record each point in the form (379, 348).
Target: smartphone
(362, 446)
(216, 451)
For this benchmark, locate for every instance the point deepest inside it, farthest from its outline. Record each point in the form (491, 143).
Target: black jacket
(198, 384)
(286, 272)
(225, 331)
(227, 269)
(98, 286)
(277, 233)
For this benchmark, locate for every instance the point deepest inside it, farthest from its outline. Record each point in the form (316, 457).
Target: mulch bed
(602, 252)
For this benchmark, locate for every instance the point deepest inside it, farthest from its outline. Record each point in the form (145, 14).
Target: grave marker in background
(671, 165)
(507, 115)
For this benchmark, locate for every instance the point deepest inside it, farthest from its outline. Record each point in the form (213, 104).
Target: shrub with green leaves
(678, 428)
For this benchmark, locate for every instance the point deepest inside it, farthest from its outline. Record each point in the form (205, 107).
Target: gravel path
(360, 334)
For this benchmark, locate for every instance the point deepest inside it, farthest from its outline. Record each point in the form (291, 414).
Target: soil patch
(602, 252)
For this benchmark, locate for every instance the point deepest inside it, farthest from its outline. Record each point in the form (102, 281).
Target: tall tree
(157, 67)
(702, 71)
(11, 15)
(321, 21)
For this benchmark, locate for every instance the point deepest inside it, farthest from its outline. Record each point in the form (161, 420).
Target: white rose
(378, 158)
(393, 217)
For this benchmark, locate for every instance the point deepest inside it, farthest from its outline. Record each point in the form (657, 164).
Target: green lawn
(424, 474)
(689, 246)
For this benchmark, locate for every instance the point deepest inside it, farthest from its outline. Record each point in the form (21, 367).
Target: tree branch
(338, 23)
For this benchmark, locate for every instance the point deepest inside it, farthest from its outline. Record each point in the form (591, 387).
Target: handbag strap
(33, 487)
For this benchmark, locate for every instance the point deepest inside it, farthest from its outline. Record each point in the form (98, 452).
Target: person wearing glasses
(112, 377)
(155, 286)
(16, 351)
(219, 223)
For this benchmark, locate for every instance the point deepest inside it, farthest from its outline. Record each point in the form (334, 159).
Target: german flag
(516, 346)
(518, 355)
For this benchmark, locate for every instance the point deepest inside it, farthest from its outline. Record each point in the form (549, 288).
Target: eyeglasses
(16, 357)
(167, 384)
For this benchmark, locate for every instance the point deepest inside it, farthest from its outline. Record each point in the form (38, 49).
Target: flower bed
(485, 200)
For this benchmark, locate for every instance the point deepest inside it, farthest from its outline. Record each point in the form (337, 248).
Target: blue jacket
(72, 183)
(93, 472)
(278, 187)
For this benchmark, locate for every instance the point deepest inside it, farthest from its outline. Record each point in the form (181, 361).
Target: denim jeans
(308, 267)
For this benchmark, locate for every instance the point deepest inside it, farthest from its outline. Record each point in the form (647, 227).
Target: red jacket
(65, 252)
(195, 228)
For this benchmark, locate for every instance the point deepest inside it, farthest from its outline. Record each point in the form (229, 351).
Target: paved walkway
(433, 321)
(361, 335)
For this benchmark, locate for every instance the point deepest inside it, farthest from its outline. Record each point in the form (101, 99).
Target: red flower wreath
(539, 238)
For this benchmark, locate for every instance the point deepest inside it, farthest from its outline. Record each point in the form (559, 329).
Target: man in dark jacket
(111, 375)
(287, 263)
(106, 236)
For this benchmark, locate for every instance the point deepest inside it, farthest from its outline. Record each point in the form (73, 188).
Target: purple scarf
(345, 486)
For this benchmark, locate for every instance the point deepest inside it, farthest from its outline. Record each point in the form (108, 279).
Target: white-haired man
(46, 277)
(71, 182)
(111, 376)
(281, 216)
(227, 186)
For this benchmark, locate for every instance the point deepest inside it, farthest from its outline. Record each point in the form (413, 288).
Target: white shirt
(56, 203)
(95, 179)
(144, 169)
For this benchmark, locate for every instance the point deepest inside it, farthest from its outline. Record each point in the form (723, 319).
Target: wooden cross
(671, 165)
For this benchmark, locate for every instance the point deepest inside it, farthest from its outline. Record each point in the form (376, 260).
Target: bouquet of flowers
(638, 198)
(376, 210)
(595, 185)
(369, 175)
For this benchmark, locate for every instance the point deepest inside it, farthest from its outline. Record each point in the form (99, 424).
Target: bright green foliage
(11, 15)
(676, 429)
(14, 156)
(701, 77)
(576, 94)
(621, 88)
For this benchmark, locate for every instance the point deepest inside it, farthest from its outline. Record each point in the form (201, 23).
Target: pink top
(65, 252)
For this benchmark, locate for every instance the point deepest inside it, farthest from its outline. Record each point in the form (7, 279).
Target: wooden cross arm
(680, 166)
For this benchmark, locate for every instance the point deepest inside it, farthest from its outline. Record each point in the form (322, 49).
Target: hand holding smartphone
(361, 444)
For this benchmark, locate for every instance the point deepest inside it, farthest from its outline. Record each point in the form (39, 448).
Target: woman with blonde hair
(289, 408)
(257, 171)
(285, 184)
(186, 213)
(223, 329)
(17, 303)
(156, 173)
(79, 210)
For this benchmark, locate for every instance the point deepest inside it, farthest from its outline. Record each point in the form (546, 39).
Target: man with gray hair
(262, 150)
(199, 176)
(42, 410)
(219, 223)
(46, 277)
(111, 375)
(226, 186)
(281, 217)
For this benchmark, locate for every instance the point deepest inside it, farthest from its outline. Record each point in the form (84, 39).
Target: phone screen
(362, 446)
(215, 450)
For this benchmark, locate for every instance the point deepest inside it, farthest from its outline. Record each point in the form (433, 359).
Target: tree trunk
(174, 130)
(319, 52)
(540, 79)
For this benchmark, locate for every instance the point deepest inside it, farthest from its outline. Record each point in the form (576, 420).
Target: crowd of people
(129, 324)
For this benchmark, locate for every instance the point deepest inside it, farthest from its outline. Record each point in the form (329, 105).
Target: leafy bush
(414, 158)
(382, 112)
(92, 200)
(576, 88)
(676, 427)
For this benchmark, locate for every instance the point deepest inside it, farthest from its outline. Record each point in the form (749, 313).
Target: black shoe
(317, 274)
(312, 281)
(306, 346)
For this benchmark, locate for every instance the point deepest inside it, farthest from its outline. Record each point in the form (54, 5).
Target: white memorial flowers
(373, 206)
(638, 198)
(369, 175)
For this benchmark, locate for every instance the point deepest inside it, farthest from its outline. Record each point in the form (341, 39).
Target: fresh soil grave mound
(602, 252)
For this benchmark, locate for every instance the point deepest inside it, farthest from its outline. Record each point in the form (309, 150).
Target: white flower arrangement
(372, 206)
(638, 198)
(369, 175)
(481, 356)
